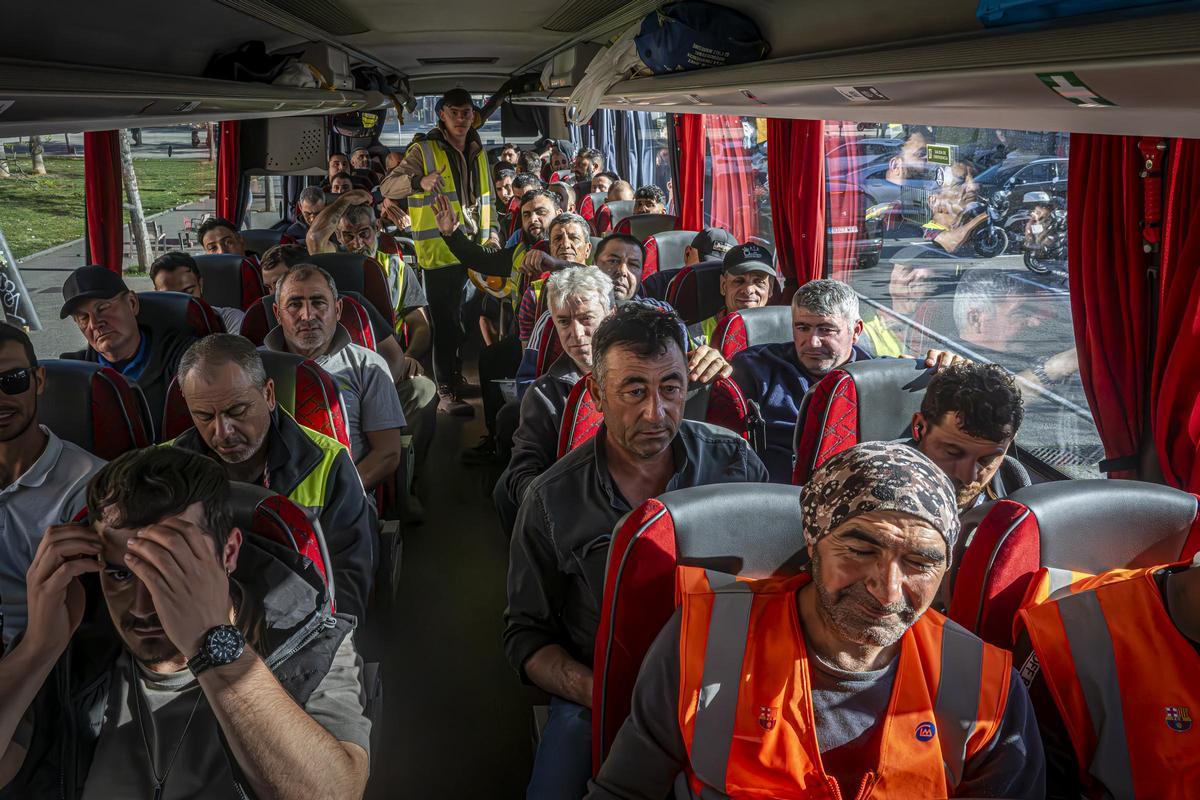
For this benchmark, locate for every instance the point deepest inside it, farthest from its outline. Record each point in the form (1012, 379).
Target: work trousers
(444, 290)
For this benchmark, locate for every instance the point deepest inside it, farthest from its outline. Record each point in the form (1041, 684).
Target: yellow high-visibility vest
(432, 251)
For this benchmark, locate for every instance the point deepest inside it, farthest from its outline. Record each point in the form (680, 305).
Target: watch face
(224, 644)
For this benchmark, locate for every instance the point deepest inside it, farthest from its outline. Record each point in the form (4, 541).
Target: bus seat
(720, 403)
(750, 327)
(665, 251)
(657, 283)
(117, 419)
(260, 319)
(230, 281)
(277, 519)
(702, 526)
(865, 401)
(548, 347)
(643, 225)
(354, 273)
(302, 389)
(695, 292)
(590, 205)
(167, 311)
(612, 212)
(595, 240)
(260, 240)
(1081, 526)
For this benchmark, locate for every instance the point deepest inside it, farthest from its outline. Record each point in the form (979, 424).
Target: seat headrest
(307, 392)
(696, 292)
(273, 517)
(176, 311)
(665, 251)
(354, 273)
(643, 225)
(115, 418)
(767, 325)
(618, 210)
(712, 530)
(230, 281)
(260, 240)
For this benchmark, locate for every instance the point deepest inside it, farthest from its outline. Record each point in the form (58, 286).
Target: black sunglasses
(16, 381)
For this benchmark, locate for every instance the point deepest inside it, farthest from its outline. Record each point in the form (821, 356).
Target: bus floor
(456, 721)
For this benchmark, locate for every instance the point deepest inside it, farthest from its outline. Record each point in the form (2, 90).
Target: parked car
(858, 154)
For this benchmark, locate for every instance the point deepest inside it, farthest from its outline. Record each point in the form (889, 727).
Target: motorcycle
(1044, 245)
(979, 225)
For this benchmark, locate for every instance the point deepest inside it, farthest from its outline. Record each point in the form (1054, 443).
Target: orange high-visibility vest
(1126, 683)
(745, 703)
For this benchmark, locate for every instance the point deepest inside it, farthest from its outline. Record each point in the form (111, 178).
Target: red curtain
(796, 171)
(847, 209)
(1175, 392)
(733, 205)
(229, 173)
(102, 189)
(689, 133)
(1108, 286)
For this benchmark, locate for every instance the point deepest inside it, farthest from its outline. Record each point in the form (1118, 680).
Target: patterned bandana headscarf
(879, 476)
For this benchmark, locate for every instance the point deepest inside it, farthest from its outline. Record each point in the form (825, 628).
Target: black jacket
(295, 630)
(166, 348)
(348, 519)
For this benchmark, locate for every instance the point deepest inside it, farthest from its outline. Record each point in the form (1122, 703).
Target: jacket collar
(679, 455)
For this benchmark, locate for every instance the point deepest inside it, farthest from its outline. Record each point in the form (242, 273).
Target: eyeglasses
(16, 381)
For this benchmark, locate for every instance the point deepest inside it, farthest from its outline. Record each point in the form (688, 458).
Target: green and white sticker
(1069, 87)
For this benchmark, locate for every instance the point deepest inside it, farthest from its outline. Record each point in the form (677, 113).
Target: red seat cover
(259, 321)
(117, 418)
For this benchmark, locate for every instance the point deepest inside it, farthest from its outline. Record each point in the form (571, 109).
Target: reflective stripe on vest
(310, 492)
(745, 708)
(707, 328)
(1124, 680)
(432, 251)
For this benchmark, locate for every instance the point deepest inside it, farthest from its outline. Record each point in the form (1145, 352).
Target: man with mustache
(106, 312)
(308, 308)
(207, 662)
(560, 541)
(967, 422)
(847, 684)
(826, 325)
(238, 424)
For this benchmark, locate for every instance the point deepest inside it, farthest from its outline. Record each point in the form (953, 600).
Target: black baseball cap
(713, 243)
(90, 282)
(746, 258)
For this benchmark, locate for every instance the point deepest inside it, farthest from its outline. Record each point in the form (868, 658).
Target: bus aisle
(455, 716)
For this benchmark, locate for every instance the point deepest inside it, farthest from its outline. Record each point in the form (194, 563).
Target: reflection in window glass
(955, 238)
(735, 177)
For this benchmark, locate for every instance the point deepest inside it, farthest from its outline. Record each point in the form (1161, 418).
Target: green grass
(37, 212)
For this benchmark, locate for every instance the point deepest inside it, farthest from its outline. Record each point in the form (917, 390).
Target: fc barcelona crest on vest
(1179, 718)
(767, 717)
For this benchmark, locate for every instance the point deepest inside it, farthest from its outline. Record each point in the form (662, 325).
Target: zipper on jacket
(322, 623)
(864, 788)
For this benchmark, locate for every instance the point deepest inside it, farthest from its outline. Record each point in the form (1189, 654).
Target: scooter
(1044, 246)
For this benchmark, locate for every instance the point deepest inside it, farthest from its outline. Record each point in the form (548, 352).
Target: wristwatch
(222, 645)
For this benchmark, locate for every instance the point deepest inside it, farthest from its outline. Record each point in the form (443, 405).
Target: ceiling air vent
(326, 15)
(450, 60)
(579, 15)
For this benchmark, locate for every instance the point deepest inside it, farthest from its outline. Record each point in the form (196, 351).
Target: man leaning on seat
(560, 541)
(848, 683)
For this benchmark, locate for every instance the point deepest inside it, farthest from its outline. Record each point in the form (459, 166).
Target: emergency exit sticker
(862, 94)
(1069, 87)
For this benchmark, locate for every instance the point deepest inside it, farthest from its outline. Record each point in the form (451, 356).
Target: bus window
(736, 195)
(955, 238)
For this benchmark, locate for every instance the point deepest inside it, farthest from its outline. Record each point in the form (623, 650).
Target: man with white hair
(826, 326)
(579, 299)
(839, 681)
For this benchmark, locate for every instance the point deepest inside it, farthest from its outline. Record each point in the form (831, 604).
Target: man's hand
(493, 242)
(358, 197)
(535, 263)
(941, 359)
(395, 213)
(433, 181)
(411, 368)
(447, 220)
(705, 365)
(55, 596)
(187, 583)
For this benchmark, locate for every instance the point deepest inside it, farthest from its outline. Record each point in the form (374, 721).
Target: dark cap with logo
(713, 243)
(87, 283)
(749, 257)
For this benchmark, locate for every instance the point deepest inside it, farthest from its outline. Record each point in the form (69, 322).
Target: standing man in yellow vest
(232, 404)
(450, 162)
